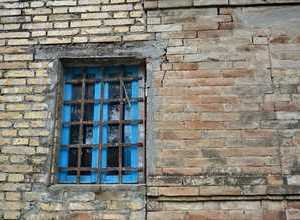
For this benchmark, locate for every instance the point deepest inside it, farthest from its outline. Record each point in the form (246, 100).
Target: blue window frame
(102, 125)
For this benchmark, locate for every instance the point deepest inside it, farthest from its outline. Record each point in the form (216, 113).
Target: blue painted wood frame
(63, 176)
(65, 134)
(106, 178)
(130, 154)
(97, 72)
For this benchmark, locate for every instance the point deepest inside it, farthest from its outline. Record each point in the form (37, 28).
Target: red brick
(207, 215)
(293, 205)
(237, 73)
(219, 99)
(286, 106)
(182, 171)
(226, 25)
(185, 66)
(249, 151)
(274, 180)
(274, 215)
(282, 39)
(218, 82)
(204, 108)
(258, 134)
(268, 107)
(204, 125)
(179, 134)
(166, 215)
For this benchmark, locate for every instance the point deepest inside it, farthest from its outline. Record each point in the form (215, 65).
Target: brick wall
(223, 107)
(227, 125)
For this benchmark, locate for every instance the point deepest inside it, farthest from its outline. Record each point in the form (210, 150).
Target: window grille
(102, 125)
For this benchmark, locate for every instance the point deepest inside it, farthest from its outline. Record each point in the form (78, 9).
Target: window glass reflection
(113, 134)
(75, 112)
(87, 134)
(76, 91)
(86, 159)
(114, 90)
(89, 91)
(114, 111)
(74, 134)
(88, 112)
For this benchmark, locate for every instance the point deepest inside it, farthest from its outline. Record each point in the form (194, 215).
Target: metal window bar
(103, 101)
(102, 123)
(121, 129)
(81, 128)
(100, 135)
(138, 144)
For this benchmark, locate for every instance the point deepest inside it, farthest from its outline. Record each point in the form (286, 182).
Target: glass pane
(113, 134)
(114, 112)
(89, 91)
(133, 133)
(127, 134)
(126, 157)
(86, 159)
(127, 115)
(75, 112)
(113, 72)
(131, 70)
(87, 134)
(72, 160)
(88, 112)
(90, 76)
(113, 159)
(114, 90)
(76, 91)
(76, 74)
(74, 134)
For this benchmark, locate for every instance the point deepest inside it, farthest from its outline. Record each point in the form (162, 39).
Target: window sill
(97, 187)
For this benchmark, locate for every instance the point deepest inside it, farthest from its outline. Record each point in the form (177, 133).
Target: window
(102, 125)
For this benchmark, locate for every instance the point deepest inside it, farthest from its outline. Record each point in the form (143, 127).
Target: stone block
(210, 2)
(119, 7)
(174, 3)
(178, 191)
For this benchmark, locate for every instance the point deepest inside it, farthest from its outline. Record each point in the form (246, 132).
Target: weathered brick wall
(227, 124)
(223, 112)
(26, 111)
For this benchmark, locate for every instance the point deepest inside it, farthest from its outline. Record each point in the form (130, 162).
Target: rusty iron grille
(102, 125)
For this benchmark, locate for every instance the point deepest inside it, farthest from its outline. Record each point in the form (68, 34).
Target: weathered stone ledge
(155, 4)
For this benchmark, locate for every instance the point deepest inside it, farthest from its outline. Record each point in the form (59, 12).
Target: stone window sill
(97, 187)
